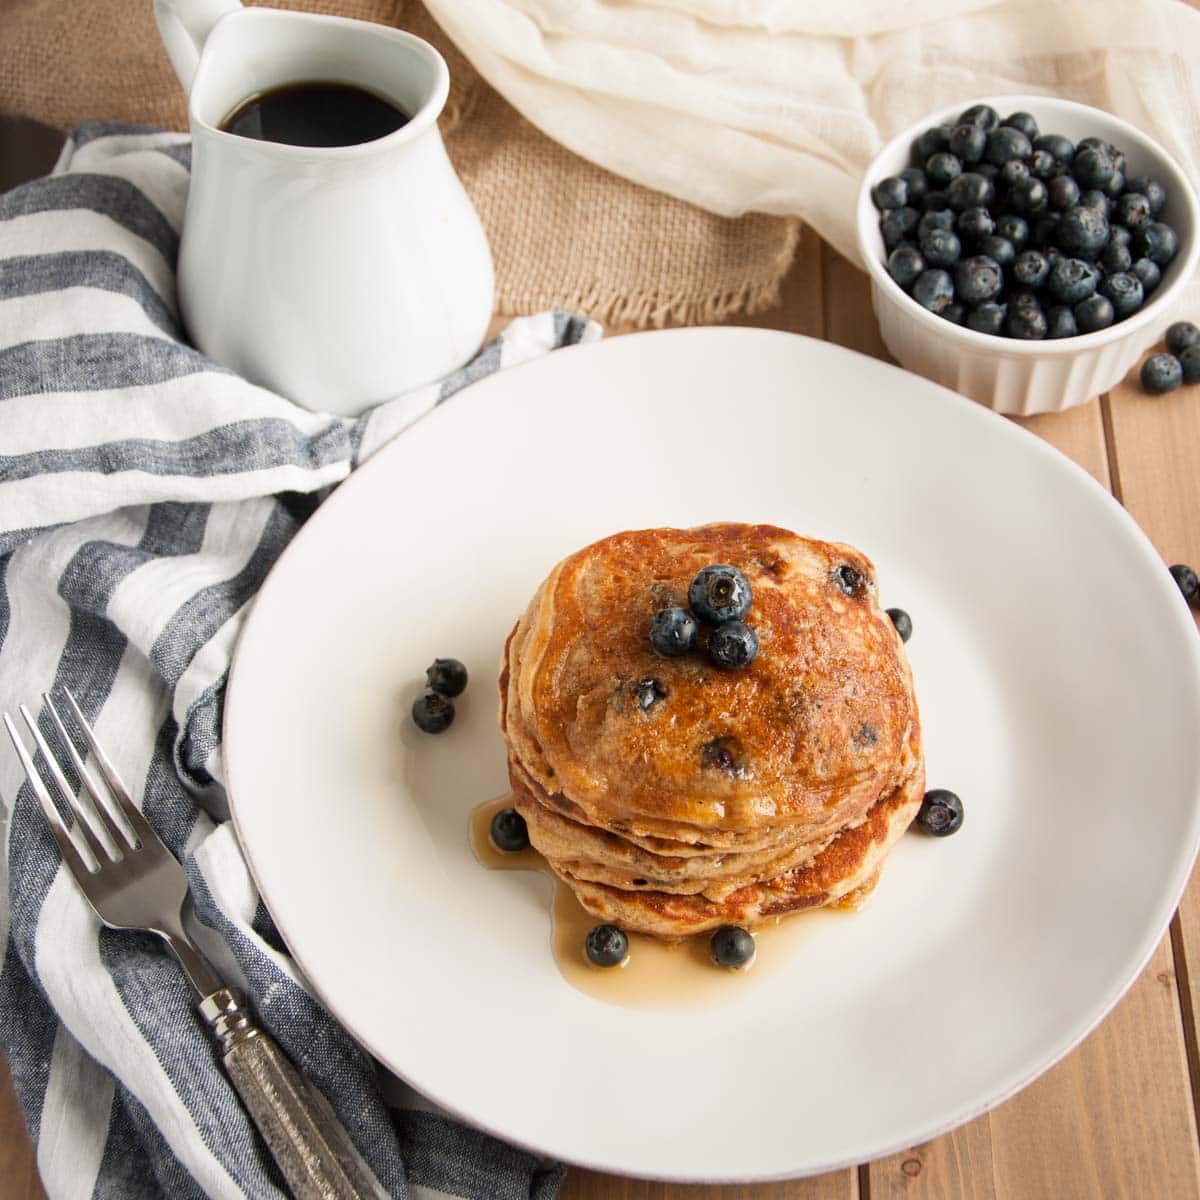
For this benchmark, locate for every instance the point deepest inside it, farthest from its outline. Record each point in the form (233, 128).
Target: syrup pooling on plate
(656, 974)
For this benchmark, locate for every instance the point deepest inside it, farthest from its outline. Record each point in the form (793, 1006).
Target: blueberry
(732, 646)
(606, 946)
(998, 248)
(1023, 296)
(941, 813)
(1161, 373)
(509, 831)
(1045, 230)
(1072, 280)
(1094, 166)
(1187, 582)
(934, 289)
(891, 192)
(1156, 241)
(447, 677)
(1028, 196)
(1011, 172)
(902, 622)
(988, 171)
(896, 224)
(732, 946)
(942, 168)
(970, 190)
(1082, 231)
(1061, 147)
(673, 632)
(917, 184)
(1031, 268)
(1189, 360)
(983, 115)
(935, 200)
(974, 223)
(967, 143)
(1014, 228)
(1044, 166)
(1148, 272)
(932, 141)
(987, 318)
(977, 279)
(942, 218)
(850, 580)
(719, 593)
(941, 248)
(1094, 313)
(1006, 143)
(1115, 186)
(1132, 209)
(1154, 191)
(904, 264)
(1023, 121)
(1181, 335)
(1116, 257)
(1060, 322)
(1124, 289)
(649, 692)
(1062, 192)
(1025, 321)
(1118, 235)
(433, 713)
(955, 312)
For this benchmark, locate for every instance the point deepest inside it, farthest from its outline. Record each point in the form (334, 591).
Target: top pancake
(807, 737)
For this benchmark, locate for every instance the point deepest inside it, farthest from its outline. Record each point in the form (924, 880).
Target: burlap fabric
(564, 233)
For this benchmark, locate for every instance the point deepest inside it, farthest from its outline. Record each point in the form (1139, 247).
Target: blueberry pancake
(675, 795)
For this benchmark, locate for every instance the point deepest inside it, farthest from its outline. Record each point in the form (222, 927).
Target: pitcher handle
(183, 26)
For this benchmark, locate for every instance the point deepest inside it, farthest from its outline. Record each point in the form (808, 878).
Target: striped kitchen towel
(144, 494)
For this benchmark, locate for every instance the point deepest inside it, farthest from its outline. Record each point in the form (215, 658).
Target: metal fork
(134, 882)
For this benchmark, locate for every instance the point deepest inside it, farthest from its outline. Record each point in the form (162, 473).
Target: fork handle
(305, 1138)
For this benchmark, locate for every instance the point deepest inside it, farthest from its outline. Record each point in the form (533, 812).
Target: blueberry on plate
(983, 115)
(606, 946)
(719, 592)
(1060, 322)
(902, 622)
(942, 167)
(967, 143)
(1189, 360)
(904, 264)
(1071, 280)
(732, 946)
(1025, 122)
(1187, 582)
(433, 713)
(732, 646)
(941, 248)
(941, 813)
(1132, 209)
(970, 190)
(1005, 143)
(446, 676)
(1014, 228)
(1156, 241)
(999, 249)
(1150, 273)
(1161, 373)
(509, 831)
(1094, 313)
(1028, 196)
(1181, 335)
(979, 278)
(1124, 289)
(1082, 231)
(1154, 191)
(1061, 147)
(934, 289)
(897, 224)
(891, 192)
(987, 317)
(1025, 321)
(673, 632)
(1031, 268)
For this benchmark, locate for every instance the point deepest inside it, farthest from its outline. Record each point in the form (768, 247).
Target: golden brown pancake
(679, 796)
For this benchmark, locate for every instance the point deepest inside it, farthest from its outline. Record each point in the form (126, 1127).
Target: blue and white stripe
(144, 494)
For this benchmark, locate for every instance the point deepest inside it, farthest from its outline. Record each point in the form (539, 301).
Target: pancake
(682, 796)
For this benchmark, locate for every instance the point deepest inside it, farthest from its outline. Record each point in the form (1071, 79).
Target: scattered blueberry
(673, 632)
(1025, 122)
(1031, 268)
(1025, 321)
(606, 946)
(1161, 373)
(509, 831)
(732, 946)
(1094, 313)
(941, 813)
(1181, 335)
(891, 192)
(987, 317)
(1060, 322)
(719, 593)
(934, 289)
(967, 143)
(979, 278)
(1189, 360)
(905, 264)
(447, 677)
(433, 713)
(942, 168)
(1154, 192)
(941, 248)
(1072, 280)
(983, 115)
(1187, 582)
(732, 646)
(1155, 241)
(1124, 289)
(902, 622)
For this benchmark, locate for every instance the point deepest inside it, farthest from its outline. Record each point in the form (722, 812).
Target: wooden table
(1118, 1116)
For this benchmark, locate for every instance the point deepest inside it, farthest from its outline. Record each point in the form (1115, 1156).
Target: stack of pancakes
(674, 797)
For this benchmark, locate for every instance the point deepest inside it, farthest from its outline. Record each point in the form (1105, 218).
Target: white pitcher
(338, 277)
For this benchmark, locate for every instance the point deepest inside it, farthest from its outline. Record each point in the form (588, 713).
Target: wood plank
(18, 1168)
(590, 1185)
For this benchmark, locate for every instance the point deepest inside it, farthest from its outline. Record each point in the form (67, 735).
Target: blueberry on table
(1181, 335)
(1025, 321)
(1161, 373)
(446, 676)
(1189, 360)
(891, 192)
(1006, 143)
(433, 713)
(940, 218)
(1094, 313)
(1150, 273)
(732, 646)
(942, 167)
(1014, 228)
(941, 813)
(1154, 191)
(719, 592)
(509, 831)
(933, 141)
(606, 946)
(970, 190)
(987, 317)
(978, 278)
(904, 264)
(1082, 231)
(999, 249)
(1062, 192)
(983, 115)
(732, 946)
(1062, 148)
(1156, 241)
(897, 224)
(1124, 290)
(673, 632)
(1031, 268)
(941, 248)
(967, 143)
(1071, 280)
(1187, 582)
(1132, 209)
(1060, 322)
(902, 622)
(1028, 196)
(1116, 257)
(1025, 122)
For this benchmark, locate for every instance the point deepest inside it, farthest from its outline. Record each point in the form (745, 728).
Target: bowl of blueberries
(1025, 250)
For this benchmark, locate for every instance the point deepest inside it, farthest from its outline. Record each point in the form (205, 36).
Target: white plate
(1059, 680)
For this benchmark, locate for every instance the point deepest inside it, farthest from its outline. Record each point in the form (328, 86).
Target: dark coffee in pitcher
(315, 114)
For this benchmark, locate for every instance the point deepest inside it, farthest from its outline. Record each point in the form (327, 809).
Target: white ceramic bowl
(1009, 375)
